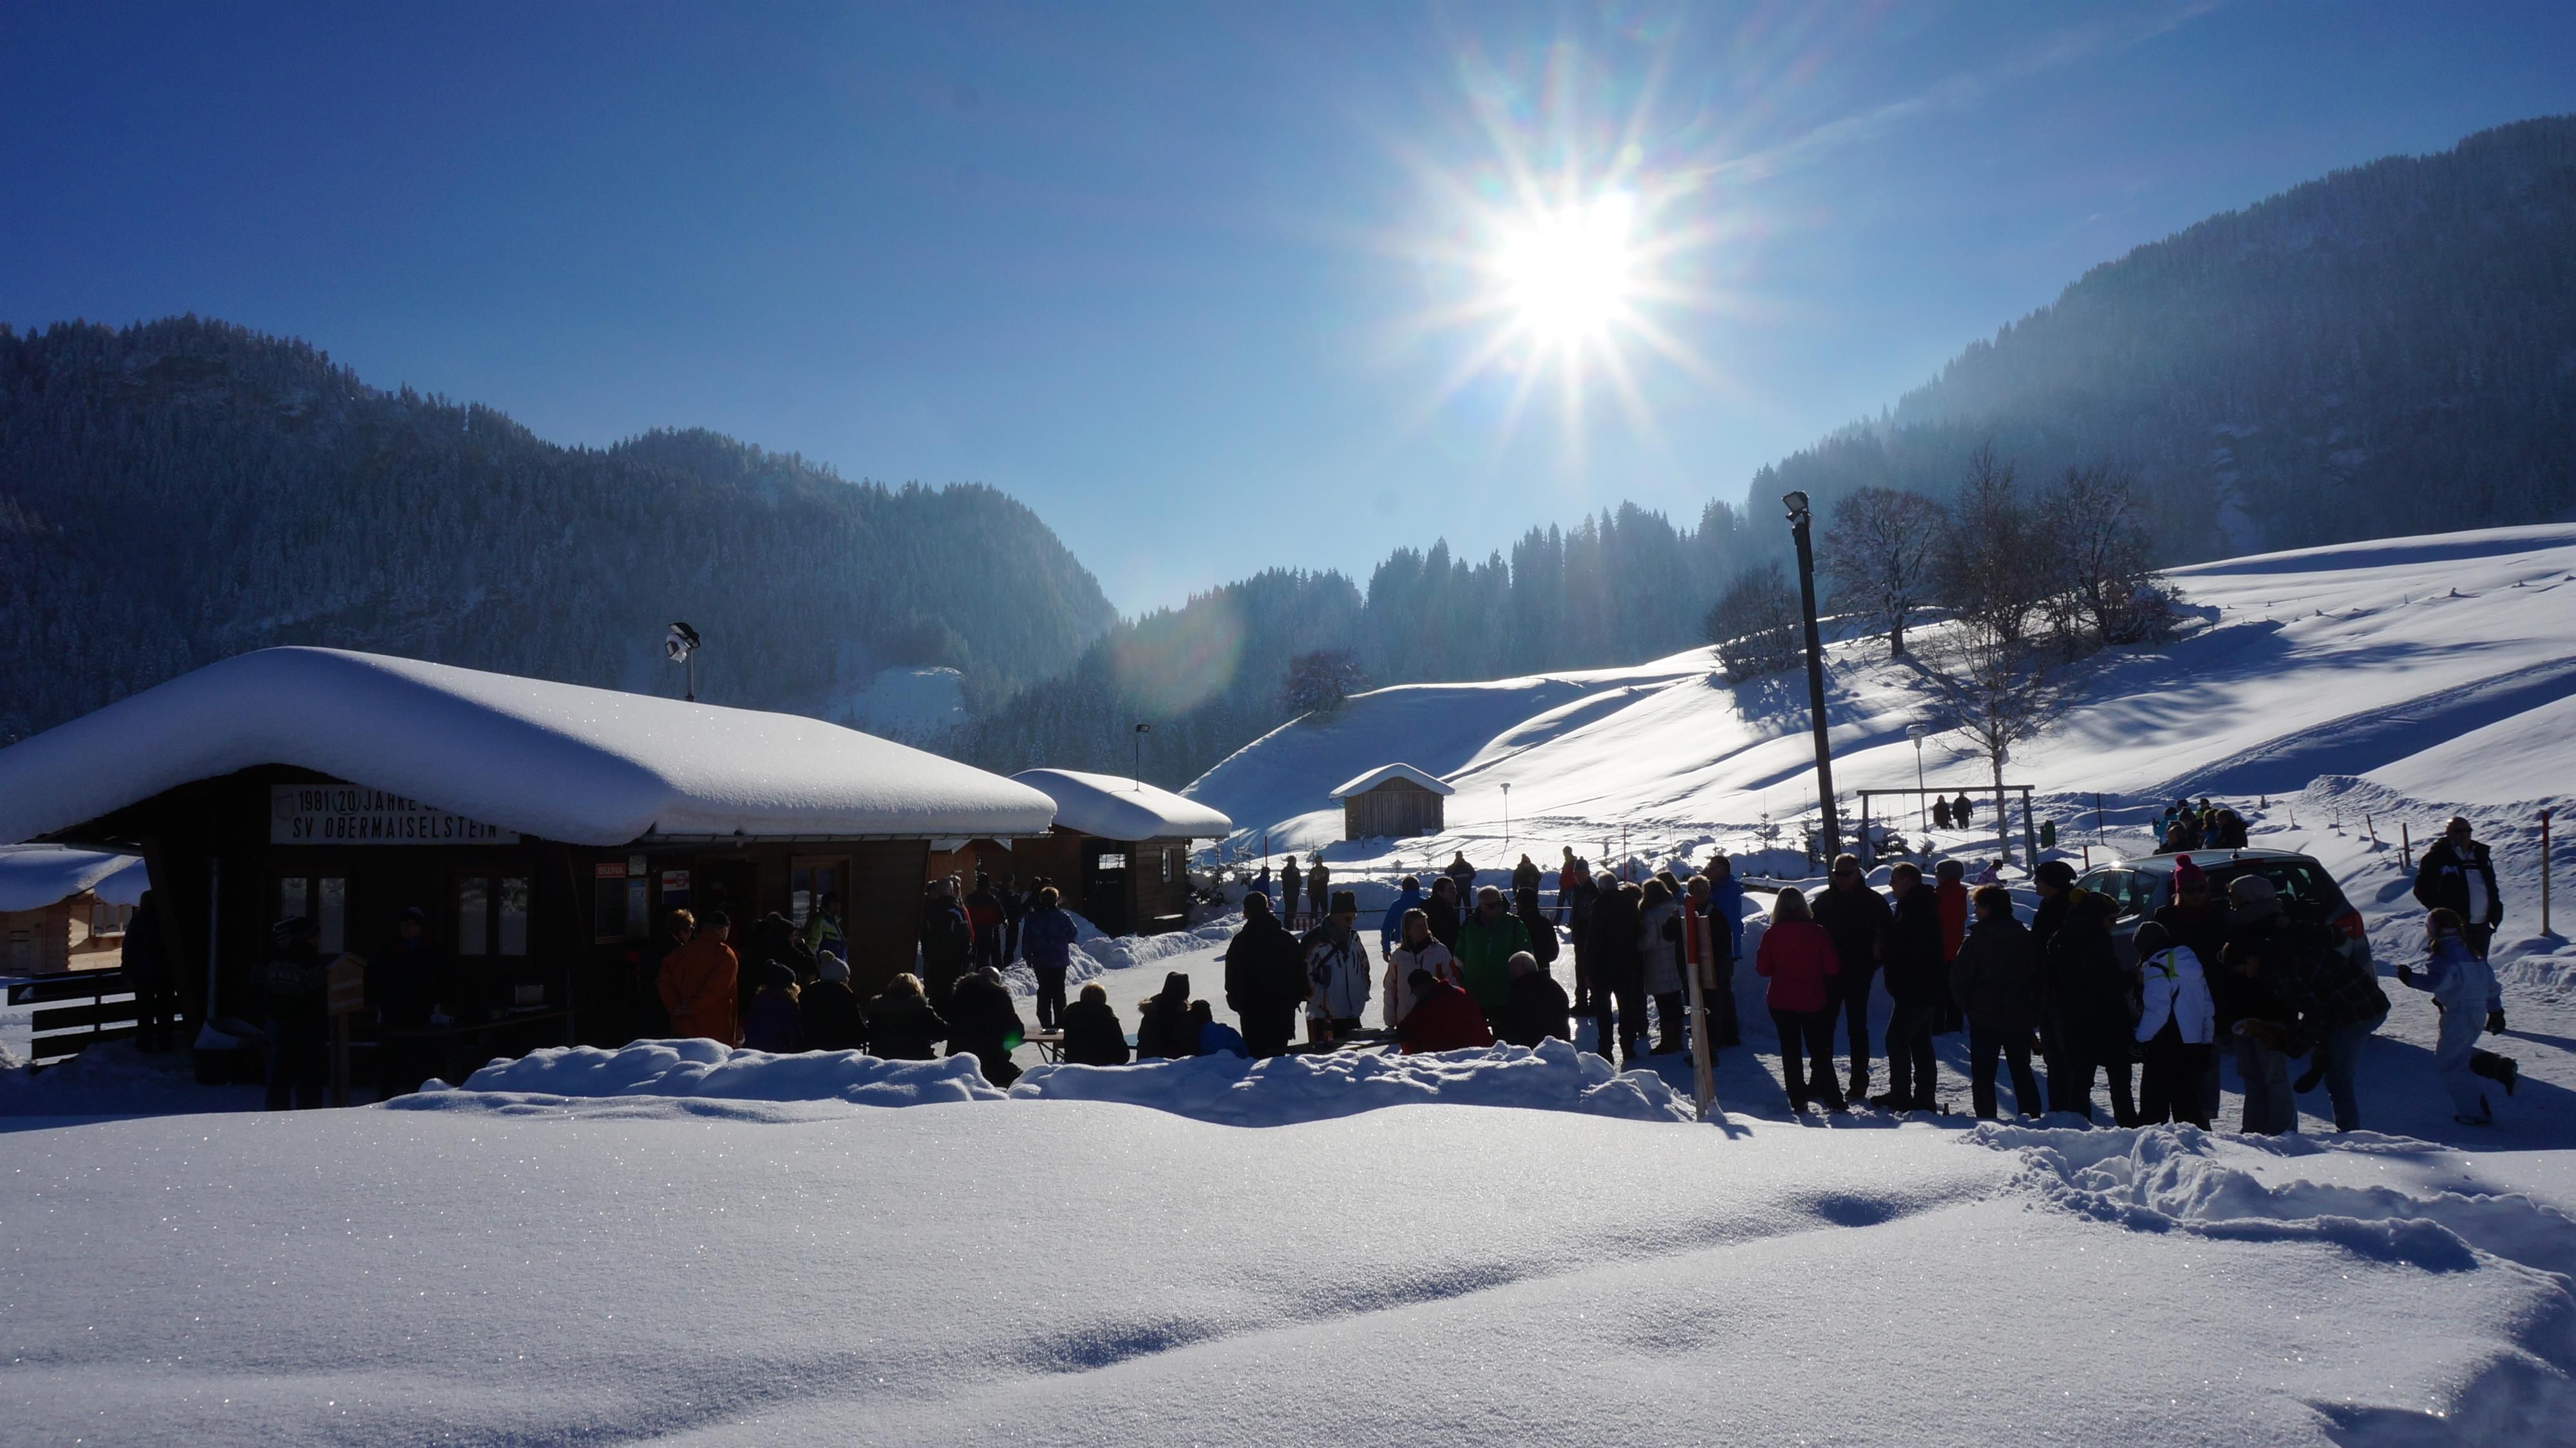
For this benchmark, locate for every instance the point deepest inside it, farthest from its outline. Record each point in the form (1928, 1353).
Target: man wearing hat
(2458, 874)
(299, 1020)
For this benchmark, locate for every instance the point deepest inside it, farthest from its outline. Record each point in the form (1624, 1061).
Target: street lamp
(681, 644)
(1922, 816)
(1831, 831)
(1141, 731)
(1507, 818)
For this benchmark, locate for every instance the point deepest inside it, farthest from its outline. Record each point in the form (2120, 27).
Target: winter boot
(2501, 1069)
(2485, 1116)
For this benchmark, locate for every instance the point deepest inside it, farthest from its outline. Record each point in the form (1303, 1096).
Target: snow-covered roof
(35, 876)
(1385, 772)
(1112, 808)
(560, 761)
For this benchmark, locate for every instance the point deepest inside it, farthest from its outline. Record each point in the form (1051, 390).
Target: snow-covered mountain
(2403, 677)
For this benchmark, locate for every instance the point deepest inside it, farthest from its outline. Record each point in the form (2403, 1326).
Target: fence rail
(106, 1012)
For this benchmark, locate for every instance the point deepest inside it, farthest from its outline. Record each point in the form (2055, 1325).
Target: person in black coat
(146, 967)
(1442, 911)
(833, 1020)
(1265, 979)
(1163, 1031)
(2458, 874)
(1856, 916)
(984, 1022)
(1092, 1035)
(1535, 1007)
(1618, 970)
(1544, 945)
(2088, 990)
(1999, 983)
(1911, 953)
(946, 940)
(901, 1024)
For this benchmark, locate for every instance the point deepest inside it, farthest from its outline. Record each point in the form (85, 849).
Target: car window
(2304, 886)
(2118, 884)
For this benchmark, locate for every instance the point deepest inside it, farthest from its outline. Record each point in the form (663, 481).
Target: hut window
(1167, 867)
(106, 919)
(332, 916)
(1113, 862)
(473, 916)
(514, 917)
(290, 898)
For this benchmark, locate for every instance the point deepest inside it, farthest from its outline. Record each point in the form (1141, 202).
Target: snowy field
(1504, 1247)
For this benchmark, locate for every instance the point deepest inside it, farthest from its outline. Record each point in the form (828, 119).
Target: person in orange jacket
(698, 983)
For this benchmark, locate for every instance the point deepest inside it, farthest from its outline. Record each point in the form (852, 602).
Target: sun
(1567, 275)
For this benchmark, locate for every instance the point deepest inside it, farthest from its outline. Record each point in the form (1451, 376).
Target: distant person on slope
(1318, 881)
(1799, 959)
(1265, 979)
(2000, 986)
(901, 1024)
(1092, 1035)
(1963, 810)
(698, 984)
(2458, 875)
(2176, 1024)
(1443, 1018)
(1940, 813)
(1046, 933)
(1486, 945)
(1417, 950)
(1535, 1008)
(1855, 916)
(1292, 883)
(1462, 877)
(2464, 991)
(1525, 875)
(1408, 897)
(1337, 966)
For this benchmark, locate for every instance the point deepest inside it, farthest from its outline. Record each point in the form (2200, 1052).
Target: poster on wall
(348, 814)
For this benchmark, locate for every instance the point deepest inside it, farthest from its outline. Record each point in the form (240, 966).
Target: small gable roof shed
(1394, 801)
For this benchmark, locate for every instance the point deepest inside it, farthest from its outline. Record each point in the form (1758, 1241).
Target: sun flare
(1566, 274)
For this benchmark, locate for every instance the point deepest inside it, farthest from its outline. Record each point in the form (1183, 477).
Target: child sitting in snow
(2464, 990)
(1216, 1038)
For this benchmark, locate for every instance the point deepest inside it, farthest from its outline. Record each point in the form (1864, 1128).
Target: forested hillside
(183, 490)
(2389, 350)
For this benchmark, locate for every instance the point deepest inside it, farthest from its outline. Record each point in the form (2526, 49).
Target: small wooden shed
(1396, 801)
(64, 909)
(1120, 849)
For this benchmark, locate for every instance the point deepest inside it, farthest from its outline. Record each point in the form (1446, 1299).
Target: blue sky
(1211, 287)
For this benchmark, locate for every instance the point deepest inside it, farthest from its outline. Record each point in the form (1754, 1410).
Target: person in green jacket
(1486, 945)
(823, 929)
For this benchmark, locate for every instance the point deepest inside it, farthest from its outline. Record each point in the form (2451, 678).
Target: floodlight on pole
(681, 644)
(1141, 731)
(1507, 817)
(1830, 830)
(1922, 817)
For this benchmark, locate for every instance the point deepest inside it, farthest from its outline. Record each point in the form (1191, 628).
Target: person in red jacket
(1951, 894)
(1799, 960)
(1443, 1018)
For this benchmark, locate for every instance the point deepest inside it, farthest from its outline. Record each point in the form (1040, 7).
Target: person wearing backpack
(2176, 1022)
(2464, 990)
(2088, 1005)
(2350, 1010)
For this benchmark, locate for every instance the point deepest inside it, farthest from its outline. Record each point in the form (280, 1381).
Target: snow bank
(704, 1069)
(1282, 1090)
(580, 765)
(1121, 809)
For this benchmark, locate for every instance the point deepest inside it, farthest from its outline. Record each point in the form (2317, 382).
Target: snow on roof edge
(1385, 772)
(1113, 808)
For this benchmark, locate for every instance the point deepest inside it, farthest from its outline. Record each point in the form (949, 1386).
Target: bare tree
(1878, 554)
(2097, 542)
(1989, 563)
(1756, 624)
(1997, 693)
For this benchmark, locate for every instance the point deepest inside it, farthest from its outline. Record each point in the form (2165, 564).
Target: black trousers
(1912, 1074)
(2084, 1051)
(299, 1061)
(1267, 1029)
(1851, 994)
(1984, 1044)
(2169, 1087)
(1669, 1035)
(1619, 1012)
(1050, 995)
(154, 1004)
(1808, 1033)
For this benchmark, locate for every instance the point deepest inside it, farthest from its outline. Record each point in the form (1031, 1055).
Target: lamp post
(1507, 818)
(1141, 731)
(681, 644)
(1922, 815)
(1830, 831)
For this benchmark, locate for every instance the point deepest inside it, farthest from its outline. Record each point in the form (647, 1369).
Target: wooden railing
(105, 1011)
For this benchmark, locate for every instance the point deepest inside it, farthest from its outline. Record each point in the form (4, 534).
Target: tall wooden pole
(1831, 829)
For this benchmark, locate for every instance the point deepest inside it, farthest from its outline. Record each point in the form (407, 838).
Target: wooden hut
(64, 909)
(1394, 801)
(1120, 849)
(542, 828)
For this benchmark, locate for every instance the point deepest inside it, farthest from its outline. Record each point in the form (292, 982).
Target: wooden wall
(1398, 809)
